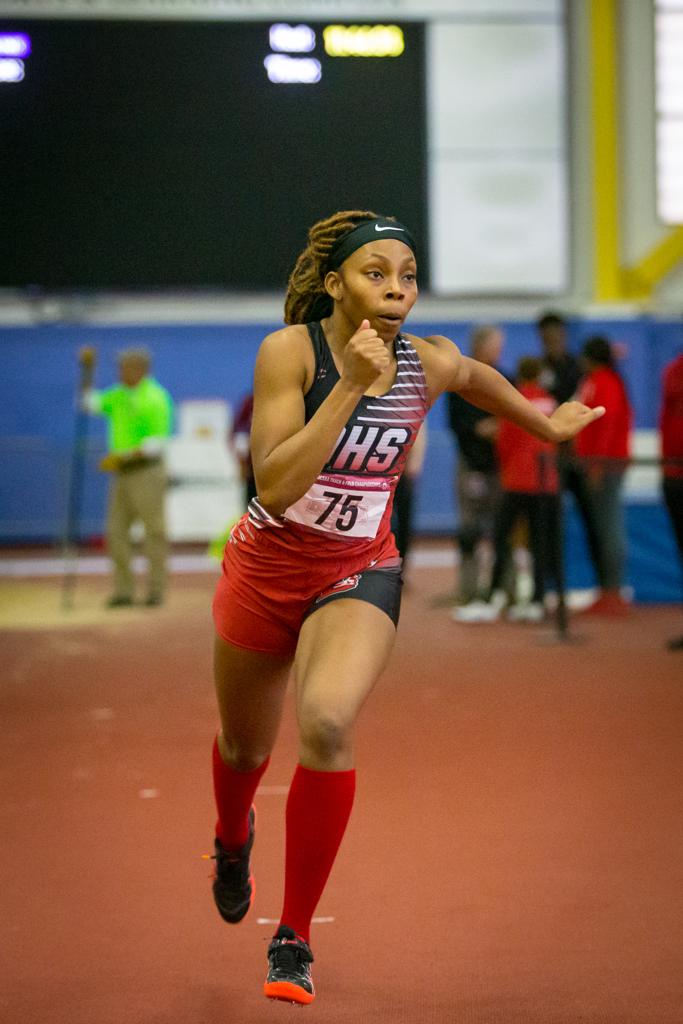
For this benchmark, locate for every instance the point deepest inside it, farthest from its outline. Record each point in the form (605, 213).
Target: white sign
(283, 69)
(11, 69)
(291, 38)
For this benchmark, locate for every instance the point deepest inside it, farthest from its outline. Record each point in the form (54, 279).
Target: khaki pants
(138, 495)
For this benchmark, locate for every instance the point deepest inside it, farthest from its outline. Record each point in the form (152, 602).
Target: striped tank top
(348, 507)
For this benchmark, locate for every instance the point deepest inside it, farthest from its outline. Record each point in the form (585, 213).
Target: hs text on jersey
(368, 449)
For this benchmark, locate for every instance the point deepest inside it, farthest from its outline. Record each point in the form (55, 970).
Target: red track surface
(515, 855)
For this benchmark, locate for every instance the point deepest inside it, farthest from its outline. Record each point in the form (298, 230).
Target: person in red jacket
(530, 484)
(603, 451)
(671, 433)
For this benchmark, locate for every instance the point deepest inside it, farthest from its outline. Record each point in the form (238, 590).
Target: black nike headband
(368, 231)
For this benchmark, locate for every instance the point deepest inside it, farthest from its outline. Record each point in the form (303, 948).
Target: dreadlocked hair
(306, 298)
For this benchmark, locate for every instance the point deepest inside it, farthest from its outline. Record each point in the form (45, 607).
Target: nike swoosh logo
(378, 228)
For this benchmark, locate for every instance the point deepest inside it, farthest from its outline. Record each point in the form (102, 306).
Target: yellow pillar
(641, 279)
(607, 278)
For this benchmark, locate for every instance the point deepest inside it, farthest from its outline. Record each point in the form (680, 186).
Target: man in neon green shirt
(140, 415)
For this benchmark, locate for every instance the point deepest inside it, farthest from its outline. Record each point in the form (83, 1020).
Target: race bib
(344, 506)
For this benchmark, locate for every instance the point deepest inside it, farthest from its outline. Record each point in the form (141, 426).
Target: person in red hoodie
(671, 433)
(530, 484)
(604, 453)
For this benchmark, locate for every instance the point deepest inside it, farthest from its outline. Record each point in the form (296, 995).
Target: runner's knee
(242, 757)
(323, 732)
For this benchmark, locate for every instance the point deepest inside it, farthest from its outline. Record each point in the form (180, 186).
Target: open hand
(570, 418)
(110, 463)
(87, 355)
(366, 357)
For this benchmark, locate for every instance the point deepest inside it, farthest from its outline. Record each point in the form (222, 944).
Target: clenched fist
(366, 357)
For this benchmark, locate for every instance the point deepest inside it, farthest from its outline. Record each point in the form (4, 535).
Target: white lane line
(272, 791)
(148, 794)
(99, 565)
(102, 714)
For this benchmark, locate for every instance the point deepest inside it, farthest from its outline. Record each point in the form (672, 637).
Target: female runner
(311, 575)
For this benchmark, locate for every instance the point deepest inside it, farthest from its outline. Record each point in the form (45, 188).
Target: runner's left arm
(489, 390)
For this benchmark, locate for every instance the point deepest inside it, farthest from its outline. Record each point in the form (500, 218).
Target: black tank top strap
(326, 374)
(323, 356)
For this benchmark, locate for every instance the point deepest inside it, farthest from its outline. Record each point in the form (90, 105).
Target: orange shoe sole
(290, 993)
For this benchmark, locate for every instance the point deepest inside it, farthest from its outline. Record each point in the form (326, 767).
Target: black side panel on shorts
(381, 587)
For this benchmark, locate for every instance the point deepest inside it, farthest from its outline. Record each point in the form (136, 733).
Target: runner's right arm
(287, 453)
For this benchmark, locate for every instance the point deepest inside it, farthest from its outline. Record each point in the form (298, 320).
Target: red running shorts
(265, 592)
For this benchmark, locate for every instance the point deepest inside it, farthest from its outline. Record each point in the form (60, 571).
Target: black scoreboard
(144, 155)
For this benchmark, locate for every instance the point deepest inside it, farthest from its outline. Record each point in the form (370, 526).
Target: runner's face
(378, 283)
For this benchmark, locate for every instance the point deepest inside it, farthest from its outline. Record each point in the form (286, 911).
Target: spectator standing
(604, 455)
(671, 433)
(477, 485)
(139, 413)
(560, 370)
(530, 491)
(560, 375)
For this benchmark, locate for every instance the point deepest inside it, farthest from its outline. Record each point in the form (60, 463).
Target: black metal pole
(552, 522)
(74, 503)
(557, 542)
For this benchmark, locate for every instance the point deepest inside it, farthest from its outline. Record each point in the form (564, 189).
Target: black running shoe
(289, 973)
(233, 885)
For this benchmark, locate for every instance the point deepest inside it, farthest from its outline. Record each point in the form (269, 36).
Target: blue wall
(37, 405)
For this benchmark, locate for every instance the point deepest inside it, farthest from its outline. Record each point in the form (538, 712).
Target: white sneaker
(533, 612)
(476, 611)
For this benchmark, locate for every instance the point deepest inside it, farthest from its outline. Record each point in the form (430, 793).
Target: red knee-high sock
(318, 809)
(234, 793)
